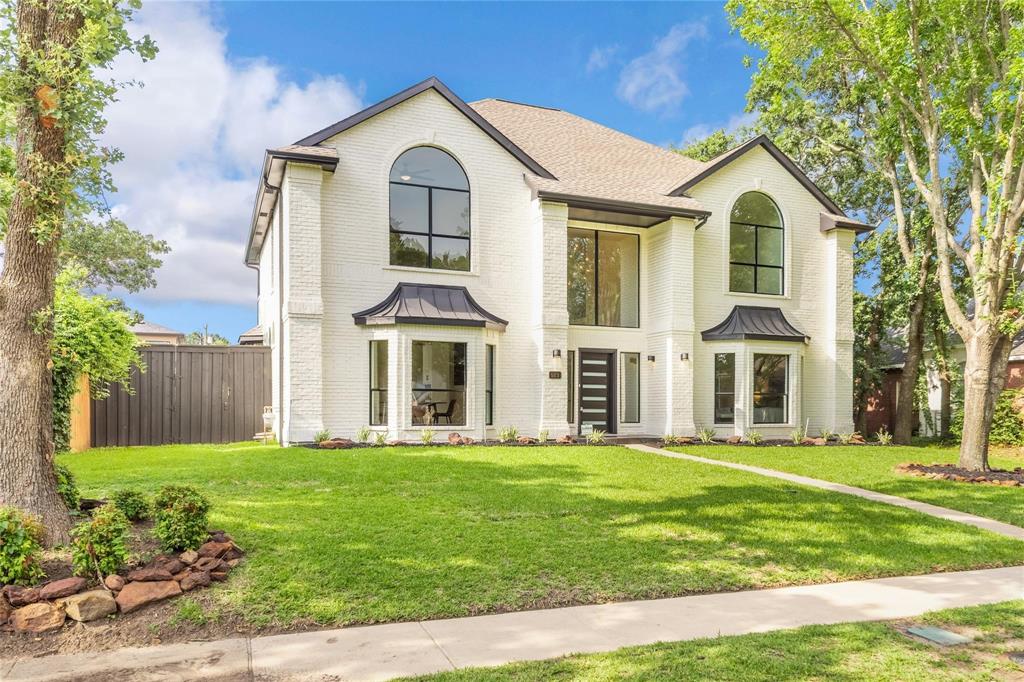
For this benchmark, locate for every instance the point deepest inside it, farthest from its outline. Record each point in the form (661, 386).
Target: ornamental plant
(66, 487)
(100, 545)
(180, 512)
(132, 503)
(21, 536)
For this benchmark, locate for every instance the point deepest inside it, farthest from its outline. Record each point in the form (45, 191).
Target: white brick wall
(337, 262)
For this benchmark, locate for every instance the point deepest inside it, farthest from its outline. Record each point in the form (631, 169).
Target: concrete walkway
(999, 527)
(381, 652)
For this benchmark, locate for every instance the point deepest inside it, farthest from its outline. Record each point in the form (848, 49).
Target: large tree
(944, 80)
(50, 54)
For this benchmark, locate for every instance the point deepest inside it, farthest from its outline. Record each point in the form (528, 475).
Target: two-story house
(432, 263)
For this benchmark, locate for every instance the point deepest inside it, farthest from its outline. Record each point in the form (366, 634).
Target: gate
(188, 394)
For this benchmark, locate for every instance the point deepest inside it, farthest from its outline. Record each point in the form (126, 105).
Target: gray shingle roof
(153, 328)
(749, 322)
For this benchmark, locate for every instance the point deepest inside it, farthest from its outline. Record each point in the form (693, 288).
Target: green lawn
(866, 651)
(406, 533)
(873, 468)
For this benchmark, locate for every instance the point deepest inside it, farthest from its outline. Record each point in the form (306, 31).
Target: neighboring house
(157, 335)
(428, 262)
(253, 337)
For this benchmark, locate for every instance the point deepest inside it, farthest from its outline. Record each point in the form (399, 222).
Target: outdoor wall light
(684, 356)
(650, 358)
(556, 353)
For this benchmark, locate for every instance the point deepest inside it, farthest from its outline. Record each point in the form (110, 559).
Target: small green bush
(755, 437)
(380, 439)
(1007, 422)
(427, 436)
(180, 512)
(100, 544)
(542, 437)
(883, 436)
(596, 437)
(21, 536)
(321, 436)
(363, 434)
(827, 435)
(706, 435)
(132, 504)
(508, 434)
(66, 487)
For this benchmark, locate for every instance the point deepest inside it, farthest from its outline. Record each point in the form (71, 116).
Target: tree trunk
(945, 409)
(984, 379)
(27, 479)
(906, 414)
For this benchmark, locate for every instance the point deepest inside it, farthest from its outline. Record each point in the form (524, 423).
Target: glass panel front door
(596, 382)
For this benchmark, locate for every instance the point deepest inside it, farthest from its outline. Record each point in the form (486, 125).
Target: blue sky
(233, 79)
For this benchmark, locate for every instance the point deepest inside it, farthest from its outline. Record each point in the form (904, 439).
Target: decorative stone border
(950, 472)
(45, 608)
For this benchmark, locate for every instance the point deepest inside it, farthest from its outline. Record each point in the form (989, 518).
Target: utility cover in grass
(938, 635)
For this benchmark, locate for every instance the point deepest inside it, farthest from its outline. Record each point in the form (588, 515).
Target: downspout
(280, 317)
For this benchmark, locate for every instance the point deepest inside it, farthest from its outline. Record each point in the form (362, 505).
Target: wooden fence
(187, 394)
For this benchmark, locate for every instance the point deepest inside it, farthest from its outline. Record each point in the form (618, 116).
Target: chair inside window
(448, 413)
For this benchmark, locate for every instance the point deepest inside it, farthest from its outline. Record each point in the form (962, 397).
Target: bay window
(439, 383)
(771, 388)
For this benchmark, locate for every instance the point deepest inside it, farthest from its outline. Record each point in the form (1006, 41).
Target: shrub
(827, 435)
(20, 538)
(845, 438)
(798, 434)
(1007, 420)
(132, 504)
(508, 434)
(884, 437)
(542, 437)
(321, 436)
(427, 436)
(100, 544)
(706, 435)
(670, 439)
(380, 439)
(363, 434)
(596, 437)
(66, 487)
(180, 512)
(754, 437)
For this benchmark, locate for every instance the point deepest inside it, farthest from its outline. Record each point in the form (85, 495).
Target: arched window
(429, 210)
(755, 246)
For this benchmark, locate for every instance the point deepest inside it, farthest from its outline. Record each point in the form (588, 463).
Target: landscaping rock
(5, 611)
(337, 444)
(454, 439)
(149, 574)
(466, 440)
(39, 617)
(565, 440)
(233, 562)
(114, 582)
(220, 575)
(684, 440)
(214, 549)
(189, 557)
(195, 579)
(733, 440)
(526, 440)
(819, 441)
(61, 588)
(21, 596)
(395, 443)
(89, 606)
(167, 563)
(135, 595)
(207, 563)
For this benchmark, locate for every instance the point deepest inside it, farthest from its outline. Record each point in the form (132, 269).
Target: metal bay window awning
(429, 304)
(751, 322)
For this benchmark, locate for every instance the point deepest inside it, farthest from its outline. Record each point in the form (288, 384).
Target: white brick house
(556, 275)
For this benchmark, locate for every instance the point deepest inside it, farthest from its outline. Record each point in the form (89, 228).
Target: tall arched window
(756, 246)
(429, 210)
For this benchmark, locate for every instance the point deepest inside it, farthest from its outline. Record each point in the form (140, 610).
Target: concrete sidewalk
(1005, 529)
(382, 652)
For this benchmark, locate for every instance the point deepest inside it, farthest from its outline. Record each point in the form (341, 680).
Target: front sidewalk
(381, 652)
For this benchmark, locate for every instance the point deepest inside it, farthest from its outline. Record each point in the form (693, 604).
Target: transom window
(756, 246)
(429, 211)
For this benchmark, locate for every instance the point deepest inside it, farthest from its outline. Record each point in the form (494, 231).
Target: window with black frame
(603, 278)
(756, 246)
(439, 383)
(630, 388)
(378, 383)
(429, 211)
(725, 388)
(489, 388)
(570, 380)
(771, 388)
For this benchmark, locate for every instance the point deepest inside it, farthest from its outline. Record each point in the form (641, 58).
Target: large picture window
(725, 388)
(756, 246)
(429, 211)
(439, 383)
(378, 383)
(603, 278)
(771, 388)
(630, 388)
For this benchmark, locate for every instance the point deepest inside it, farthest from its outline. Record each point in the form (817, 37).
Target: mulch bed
(951, 472)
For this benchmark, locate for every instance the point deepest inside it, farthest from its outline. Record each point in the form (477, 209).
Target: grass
(863, 651)
(374, 535)
(873, 468)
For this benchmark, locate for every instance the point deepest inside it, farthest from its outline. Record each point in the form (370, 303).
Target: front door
(597, 390)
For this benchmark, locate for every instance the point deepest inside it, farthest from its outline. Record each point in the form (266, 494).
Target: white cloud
(600, 58)
(702, 130)
(653, 81)
(193, 139)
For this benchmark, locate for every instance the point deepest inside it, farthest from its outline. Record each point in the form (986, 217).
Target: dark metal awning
(750, 322)
(430, 304)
